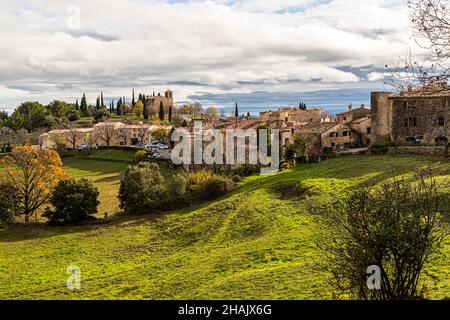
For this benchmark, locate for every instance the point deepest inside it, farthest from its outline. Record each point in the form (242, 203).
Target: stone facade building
(102, 134)
(420, 116)
(153, 102)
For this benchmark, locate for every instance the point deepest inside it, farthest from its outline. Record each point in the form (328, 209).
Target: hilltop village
(416, 117)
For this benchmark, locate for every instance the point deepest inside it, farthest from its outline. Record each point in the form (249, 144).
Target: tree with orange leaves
(35, 173)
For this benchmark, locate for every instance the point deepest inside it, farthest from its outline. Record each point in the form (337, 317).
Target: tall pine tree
(145, 112)
(84, 107)
(77, 106)
(97, 103)
(102, 101)
(119, 107)
(170, 114)
(236, 111)
(161, 111)
(133, 102)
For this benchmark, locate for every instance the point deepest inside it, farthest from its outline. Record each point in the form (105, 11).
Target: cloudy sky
(215, 51)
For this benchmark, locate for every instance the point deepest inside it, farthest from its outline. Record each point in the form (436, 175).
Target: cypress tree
(161, 111)
(102, 101)
(77, 106)
(119, 107)
(145, 111)
(133, 102)
(83, 106)
(236, 111)
(170, 114)
(97, 103)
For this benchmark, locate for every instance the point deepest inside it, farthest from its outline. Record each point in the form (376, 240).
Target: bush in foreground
(393, 227)
(73, 201)
(142, 189)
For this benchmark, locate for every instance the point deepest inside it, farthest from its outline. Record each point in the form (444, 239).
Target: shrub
(8, 202)
(206, 185)
(217, 186)
(142, 189)
(73, 201)
(197, 181)
(236, 178)
(395, 225)
(247, 170)
(140, 156)
(177, 186)
(285, 165)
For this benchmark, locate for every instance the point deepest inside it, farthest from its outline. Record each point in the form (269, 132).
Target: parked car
(82, 147)
(162, 146)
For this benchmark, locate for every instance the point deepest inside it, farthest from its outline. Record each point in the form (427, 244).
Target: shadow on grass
(23, 232)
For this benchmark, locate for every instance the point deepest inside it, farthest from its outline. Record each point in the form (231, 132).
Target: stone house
(363, 128)
(153, 102)
(419, 116)
(352, 114)
(102, 134)
(293, 115)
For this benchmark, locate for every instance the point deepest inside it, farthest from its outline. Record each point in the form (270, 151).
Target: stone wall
(420, 150)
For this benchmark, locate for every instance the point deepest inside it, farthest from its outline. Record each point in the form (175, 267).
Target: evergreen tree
(146, 115)
(170, 114)
(248, 115)
(102, 101)
(133, 102)
(97, 103)
(84, 107)
(161, 111)
(236, 111)
(77, 106)
(119, 107)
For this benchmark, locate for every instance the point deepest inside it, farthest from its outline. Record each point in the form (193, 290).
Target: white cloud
(224, 45)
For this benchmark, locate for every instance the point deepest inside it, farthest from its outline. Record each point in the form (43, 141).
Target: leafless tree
(106, 133)
(22, 136)
(73, 135)
(395, 225)
(430, 23)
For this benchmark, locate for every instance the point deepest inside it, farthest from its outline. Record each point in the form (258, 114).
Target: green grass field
(251, 244)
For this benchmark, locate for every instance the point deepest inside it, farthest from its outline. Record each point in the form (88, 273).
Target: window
(441, 140)
(346, 133)
(333, 134)
(369, 130)
(441, 121)
(410, 122)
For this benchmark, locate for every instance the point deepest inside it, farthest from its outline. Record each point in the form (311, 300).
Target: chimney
(350, 107)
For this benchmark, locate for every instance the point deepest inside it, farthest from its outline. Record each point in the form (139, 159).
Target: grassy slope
(250, 244)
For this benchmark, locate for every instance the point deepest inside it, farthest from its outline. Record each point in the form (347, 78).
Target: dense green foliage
(142, 189)
(73, 201)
